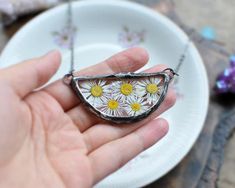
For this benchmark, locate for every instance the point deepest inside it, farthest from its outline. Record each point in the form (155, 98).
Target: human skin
(47, 137)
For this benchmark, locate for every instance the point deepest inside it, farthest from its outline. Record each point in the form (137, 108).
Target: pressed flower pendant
(123, 97)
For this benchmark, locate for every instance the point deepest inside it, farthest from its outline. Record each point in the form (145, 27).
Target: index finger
(127, 61)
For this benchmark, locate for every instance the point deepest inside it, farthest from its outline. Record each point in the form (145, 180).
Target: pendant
(123, 97)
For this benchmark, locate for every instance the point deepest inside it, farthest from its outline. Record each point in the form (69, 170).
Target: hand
(48, 139)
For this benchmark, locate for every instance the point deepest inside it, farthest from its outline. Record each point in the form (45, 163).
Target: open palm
(48, 139)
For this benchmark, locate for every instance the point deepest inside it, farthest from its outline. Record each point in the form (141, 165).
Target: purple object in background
(225, 82)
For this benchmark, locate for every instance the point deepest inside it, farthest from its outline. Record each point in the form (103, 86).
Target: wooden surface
(193, 170)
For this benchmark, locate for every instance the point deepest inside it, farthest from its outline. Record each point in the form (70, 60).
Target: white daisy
(150, 89)
(124, 89)
(136, 106)
(94, 91)
(112, 107)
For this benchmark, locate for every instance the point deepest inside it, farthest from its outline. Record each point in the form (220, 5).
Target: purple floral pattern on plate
(128, 38)
(63, 37)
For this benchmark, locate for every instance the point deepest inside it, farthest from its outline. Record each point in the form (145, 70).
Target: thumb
(25, 77)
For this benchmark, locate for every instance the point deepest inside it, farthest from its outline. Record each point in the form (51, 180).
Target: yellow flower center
(96, 91)
(113, 104)
(135, 107)
(126, 89)
(152, 88)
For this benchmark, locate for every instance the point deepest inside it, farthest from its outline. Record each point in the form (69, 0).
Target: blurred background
(211, 162)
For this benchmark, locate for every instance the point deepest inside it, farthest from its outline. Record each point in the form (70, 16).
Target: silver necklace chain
(71, 43)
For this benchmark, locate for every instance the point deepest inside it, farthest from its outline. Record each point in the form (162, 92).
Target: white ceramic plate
(105, 27)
